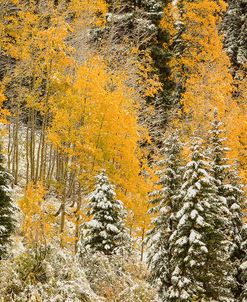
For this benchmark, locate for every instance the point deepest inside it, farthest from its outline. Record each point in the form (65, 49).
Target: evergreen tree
(105, 232)
(243, 267)
(201, 266)
(164, 205)
(236, 202)
(235, 32)
(229, 189)
(6, 212)
(217, 152)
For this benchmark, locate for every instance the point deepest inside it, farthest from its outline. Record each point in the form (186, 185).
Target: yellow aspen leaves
(201, 68)
(91, 11)
(95, 124)
(147, 78)
(37, 225)
(3, 112)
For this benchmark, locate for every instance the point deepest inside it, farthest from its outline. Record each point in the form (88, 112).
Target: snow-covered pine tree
(165, 204)
(235, 32)
(236, 200)
(243, 267)
(105, 232)
(6, 212)
(200, 263)
(237, 203)
(217, 152)
(230, 193)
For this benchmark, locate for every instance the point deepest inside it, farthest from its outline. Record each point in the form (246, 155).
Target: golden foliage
(37, 225)
(88, 111)
(208, 80)
(92, 11)
(202, 68)
(95, 123)
(147, 78)
(4, 113)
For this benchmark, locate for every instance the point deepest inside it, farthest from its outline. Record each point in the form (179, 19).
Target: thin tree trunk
(43, 147)
(10, 147)
(32, 144)
(63, 205)
(78, 216)
(15, 164)
(62, 222)
(142, 244)
(27, 154)
(52, 164)
(38, 159)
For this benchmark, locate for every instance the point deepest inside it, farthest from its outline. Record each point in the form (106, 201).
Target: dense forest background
(124, 132)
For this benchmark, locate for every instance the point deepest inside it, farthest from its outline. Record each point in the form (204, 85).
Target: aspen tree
(37, 225)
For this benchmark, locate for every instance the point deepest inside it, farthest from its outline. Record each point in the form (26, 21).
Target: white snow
(112, 228)
(194, 236)
(191, 192)
(193, 214)
(94, 224)
(182, 241)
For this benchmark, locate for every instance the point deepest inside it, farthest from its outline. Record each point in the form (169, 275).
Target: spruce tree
(201, 266)
(229, 189)
(243, 267)
(234, 30)
(6, 212)
(105, 232)
(220, 167)
(217, 152)
(165, 204)
(237, 202)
